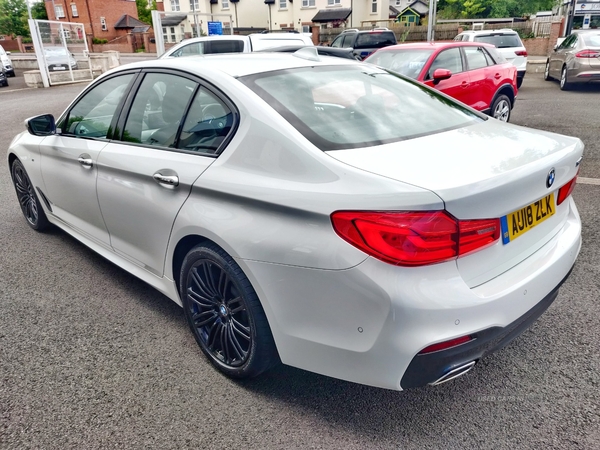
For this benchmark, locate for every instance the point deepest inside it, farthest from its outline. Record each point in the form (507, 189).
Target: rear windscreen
(500, 40)
(591, 40)
(226, 46)
(375, 40)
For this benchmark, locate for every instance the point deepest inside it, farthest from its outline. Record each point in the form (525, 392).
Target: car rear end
(370, 41)
(586, 61)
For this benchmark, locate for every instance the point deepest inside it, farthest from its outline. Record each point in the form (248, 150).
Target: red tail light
(588, 54)
(445, 345)
(566, 190)
(521, 53)
(414, 238)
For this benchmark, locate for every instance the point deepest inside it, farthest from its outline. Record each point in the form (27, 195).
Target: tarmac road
(90, 357)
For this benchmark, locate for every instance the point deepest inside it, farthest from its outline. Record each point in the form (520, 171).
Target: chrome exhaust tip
(454, 373)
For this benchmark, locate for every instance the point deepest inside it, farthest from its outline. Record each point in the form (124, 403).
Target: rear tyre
(564, 80)
(30, 205)
(547, 76)
(501, 108)
(225, 314)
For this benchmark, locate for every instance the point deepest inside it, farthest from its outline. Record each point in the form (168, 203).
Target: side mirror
(441, 74)
(43, 125)
(8, 53)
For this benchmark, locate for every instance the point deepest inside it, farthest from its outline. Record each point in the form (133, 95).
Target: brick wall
(544, 46)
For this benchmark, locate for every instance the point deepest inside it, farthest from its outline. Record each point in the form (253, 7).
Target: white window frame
(224, 4)
(373, 6)
(173, 34)
(308, 3)
(195, 5)
(175, 5)
(59, 11)
(282, 4)
(306, 29)
(74, 11)
(103, 24)
(334, 2)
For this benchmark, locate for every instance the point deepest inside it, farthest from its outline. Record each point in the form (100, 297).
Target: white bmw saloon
(322, 213)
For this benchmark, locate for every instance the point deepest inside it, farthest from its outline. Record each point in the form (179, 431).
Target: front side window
(158, 110)
(92, 115)
(339, 107)
(448, 59)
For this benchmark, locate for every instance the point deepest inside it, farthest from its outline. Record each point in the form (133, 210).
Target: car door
(69, 158)
(484, 76)
(172, 133)
(457, 86)
(559, 56)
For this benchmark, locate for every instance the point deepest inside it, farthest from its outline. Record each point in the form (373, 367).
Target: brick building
(99, 17)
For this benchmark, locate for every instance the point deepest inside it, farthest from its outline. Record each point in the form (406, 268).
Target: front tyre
(28, 199)
(547, 76)
(224, 313)
(501, 108)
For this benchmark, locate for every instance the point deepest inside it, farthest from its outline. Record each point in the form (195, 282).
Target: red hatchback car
(471, 72)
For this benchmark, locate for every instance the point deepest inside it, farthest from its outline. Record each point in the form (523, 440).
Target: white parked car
(5, 61)
(507, 41)
(316, 211)
(236, 44)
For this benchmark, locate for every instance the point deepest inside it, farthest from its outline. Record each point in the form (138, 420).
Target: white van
(235, 44)
(5, 60)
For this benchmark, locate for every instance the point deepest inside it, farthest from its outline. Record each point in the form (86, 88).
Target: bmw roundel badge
(550, 178)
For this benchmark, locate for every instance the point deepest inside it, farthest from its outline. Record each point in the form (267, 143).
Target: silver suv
(364, 42)
(507, 41)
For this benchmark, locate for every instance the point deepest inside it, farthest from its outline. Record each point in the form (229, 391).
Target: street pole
(430, 19)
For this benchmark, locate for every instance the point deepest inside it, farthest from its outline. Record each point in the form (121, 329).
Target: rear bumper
(426, 369)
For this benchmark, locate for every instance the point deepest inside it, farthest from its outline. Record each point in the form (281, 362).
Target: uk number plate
(521, 221)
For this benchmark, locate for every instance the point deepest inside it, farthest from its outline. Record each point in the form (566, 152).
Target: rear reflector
(415, 238)
(521, 53)
(566, 190)
(446, 345)
(588, 54)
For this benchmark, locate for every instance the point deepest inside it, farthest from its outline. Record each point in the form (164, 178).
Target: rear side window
(477, 58)
(591, 40)
(500, 40)
(197, 48)
(375, 40)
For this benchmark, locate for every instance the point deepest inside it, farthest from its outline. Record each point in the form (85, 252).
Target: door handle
(497, 76)
(86, 161)
(170, 181)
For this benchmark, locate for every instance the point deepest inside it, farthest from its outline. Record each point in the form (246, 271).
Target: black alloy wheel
(28, 200)
(225, 314)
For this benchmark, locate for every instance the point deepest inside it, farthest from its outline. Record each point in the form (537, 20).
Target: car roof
(501, 30)
(434, 45)
(240, 64)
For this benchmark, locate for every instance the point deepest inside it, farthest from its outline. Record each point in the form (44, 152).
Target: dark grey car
(364, 42)
(575, 60)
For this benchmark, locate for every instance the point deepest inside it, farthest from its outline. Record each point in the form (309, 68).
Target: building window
(282, 4)
(374, 6)
(398, 2)
(308, 3)
(59, 12)
(173, 36)
(306, 29)
(225, 4)
(175, 5)
(103, 24)
(149, 4)
(195, 4)
(74, 12)
(333, 2)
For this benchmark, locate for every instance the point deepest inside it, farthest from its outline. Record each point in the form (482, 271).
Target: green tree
(38, 11)
(472, 9)
(145, 13)
(13, 18)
